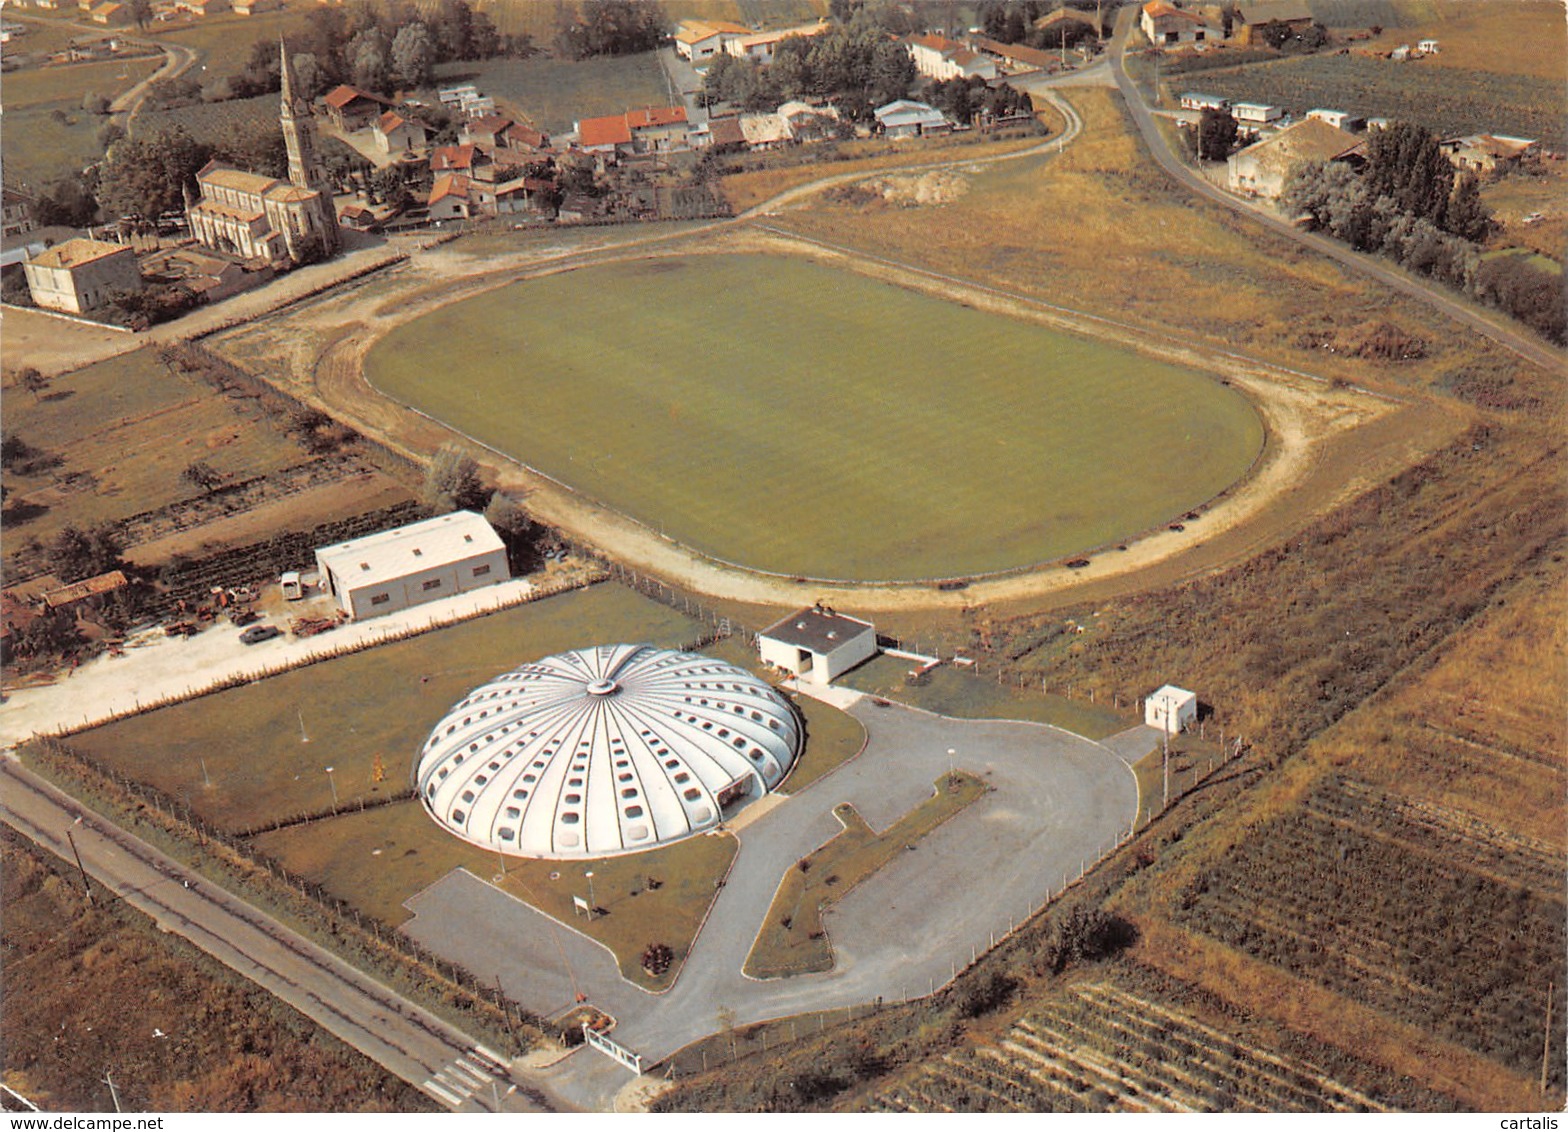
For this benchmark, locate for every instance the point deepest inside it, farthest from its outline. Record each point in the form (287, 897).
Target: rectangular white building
(392, 570)
(1171, 709)
(818, 644)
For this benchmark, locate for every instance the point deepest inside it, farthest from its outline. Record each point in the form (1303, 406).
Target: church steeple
(299, 138)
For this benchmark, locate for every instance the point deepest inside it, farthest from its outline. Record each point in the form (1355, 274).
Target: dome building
(606, 750)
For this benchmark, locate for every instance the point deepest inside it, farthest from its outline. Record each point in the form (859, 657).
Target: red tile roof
(450, 157)
(613, 130)
(450, 185)
(655, 116)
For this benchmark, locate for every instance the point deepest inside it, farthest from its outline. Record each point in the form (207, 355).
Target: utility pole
(1165, 768)
(1546, 1043)
(77, 853)
(113, 1095)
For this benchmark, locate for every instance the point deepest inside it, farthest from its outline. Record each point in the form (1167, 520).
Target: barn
(818, 644)
(1171, 709)
(392, 570)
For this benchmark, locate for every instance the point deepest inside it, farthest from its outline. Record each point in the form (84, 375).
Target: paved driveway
(1059, 803)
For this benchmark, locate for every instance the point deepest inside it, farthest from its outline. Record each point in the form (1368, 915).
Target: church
(262, 218)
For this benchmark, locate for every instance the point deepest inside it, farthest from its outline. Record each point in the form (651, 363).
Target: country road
(401, 1036)
(1496, 328)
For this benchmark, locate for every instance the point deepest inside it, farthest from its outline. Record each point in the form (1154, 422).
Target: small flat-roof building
(818, 644)
(1171, 709)
(406, 566)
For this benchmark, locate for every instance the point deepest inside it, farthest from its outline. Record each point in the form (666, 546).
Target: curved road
(404, 1038)
(1497, 329)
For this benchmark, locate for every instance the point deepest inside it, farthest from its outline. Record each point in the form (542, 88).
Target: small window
(634, 811)
(692, 794)
(481, 571)
(682, 777)
(418, 553)
(468, 795)
(468, 538)
(457, 816)
(570, 818)
(432, 584)
(380, 599)
(365, 566)
(505, 834)
(573, 799)
(513, 812)
(574, 782)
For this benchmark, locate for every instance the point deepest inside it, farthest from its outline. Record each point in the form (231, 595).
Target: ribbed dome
(605, 750)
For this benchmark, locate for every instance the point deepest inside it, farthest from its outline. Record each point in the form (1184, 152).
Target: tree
(76, 554)
(108, 134)
(452, 482)
(145, 176)
(141, 12)
(202, 475)
(1216, 135)
(307, 69)
(412, 53)
(66, 203)
(95, 103)
(367, 56)
(1404, 162)
(517, 530)
(1467, 215)
(31, 380)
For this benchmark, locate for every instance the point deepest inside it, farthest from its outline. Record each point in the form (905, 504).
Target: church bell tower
(299, 138)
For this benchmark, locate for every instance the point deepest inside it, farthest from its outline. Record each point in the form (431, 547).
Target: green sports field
(790, 417)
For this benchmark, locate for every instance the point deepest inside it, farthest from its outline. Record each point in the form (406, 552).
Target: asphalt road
(1496, 328)
(407, 1040)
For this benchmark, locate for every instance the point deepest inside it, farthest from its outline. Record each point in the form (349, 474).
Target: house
(817, 644)
(1168, 26)
(1017, 56)
(1200, 102)
(81, 275)
(484, 131)
(809, 123)
(759, 46)
(1250, 19)
(525, 195)
(764, 131)
(1260, 169)
(392, 570)
(396, 134)
(1171, 709)
(661, 129)
(469, 160)
(1342, 119)
(357, 218)
(453, 96)
(449, 198)
(941, 59)
(577, 207)
(1427, 47)
(1400, 54)
(698, 40)
(1489, 153)
(112, 15)
(523, 137)
(905, 118)
(477, 106)
(352, 110)
(256, 7)
(18, 212)
(1255, 113)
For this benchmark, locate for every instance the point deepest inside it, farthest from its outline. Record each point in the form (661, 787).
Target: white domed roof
(605, 750)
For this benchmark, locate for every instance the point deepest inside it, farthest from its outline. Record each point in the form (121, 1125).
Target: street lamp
(334, 787)
(592, 904)
(77, 853)
(951, 772)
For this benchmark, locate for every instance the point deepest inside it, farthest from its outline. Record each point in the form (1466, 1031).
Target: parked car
(258, 633)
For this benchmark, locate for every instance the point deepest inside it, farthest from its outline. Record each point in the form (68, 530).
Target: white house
(1339, 119)
(908, 119)
(1255, 113)
(1195, 101)
(1260, 170)
(406, 566)
(940, 58)
(818, 644)
(699, 40)
(80, 275)
(1171, 709)
(1169, 26)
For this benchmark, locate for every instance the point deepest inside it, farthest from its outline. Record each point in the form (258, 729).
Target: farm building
(18, 212)
(907, 119)
(396, 134)
(1340, 119)
(661, 129)
(1260, 169)
(352, 109)
(406, 566)
(1489, 153)
(605, 750)
(1171, 709)
(81, 274)
(1252, 19)
(697, 40)
(759, 46)
(1169, 26)
(818, 644)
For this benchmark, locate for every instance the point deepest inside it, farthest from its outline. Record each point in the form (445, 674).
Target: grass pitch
(777, 413)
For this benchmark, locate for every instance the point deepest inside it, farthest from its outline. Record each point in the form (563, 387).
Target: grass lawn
(375, 704)
(124, 430)
(47, 134)
(223, 43)
(378, 859)
(879, 433)
(792, 940)
(554, 93)
(963, 695)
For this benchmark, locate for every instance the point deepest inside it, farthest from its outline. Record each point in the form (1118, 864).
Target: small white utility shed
(425, 561)
(1171, 709)
(818, 644)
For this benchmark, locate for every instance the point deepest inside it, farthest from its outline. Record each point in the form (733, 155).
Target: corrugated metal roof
(412, 549)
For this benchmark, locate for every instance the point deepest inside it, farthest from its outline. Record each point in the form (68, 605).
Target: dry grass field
(71, 971)
(1518, 37)
(47, 133)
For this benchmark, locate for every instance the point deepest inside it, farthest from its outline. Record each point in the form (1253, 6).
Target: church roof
(237, 179)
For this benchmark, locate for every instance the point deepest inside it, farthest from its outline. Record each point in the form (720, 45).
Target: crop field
(555, 93)
(214, 122)
(123, 431)
(1519, 37)
(1098, 1047)
(1446, 100)
(813, 427)
(1422, 913)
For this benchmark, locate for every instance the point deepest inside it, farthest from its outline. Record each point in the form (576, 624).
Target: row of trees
(1012, 21)
(962, 99)
(858, 66)
(1410, 205)
(610, 27)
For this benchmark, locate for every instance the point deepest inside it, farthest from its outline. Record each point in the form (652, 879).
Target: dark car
(258, 633)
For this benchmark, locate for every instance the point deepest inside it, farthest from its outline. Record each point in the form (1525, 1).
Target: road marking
(441, 1094)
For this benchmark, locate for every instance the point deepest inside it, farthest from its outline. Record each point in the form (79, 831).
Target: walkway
(1060, 803)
